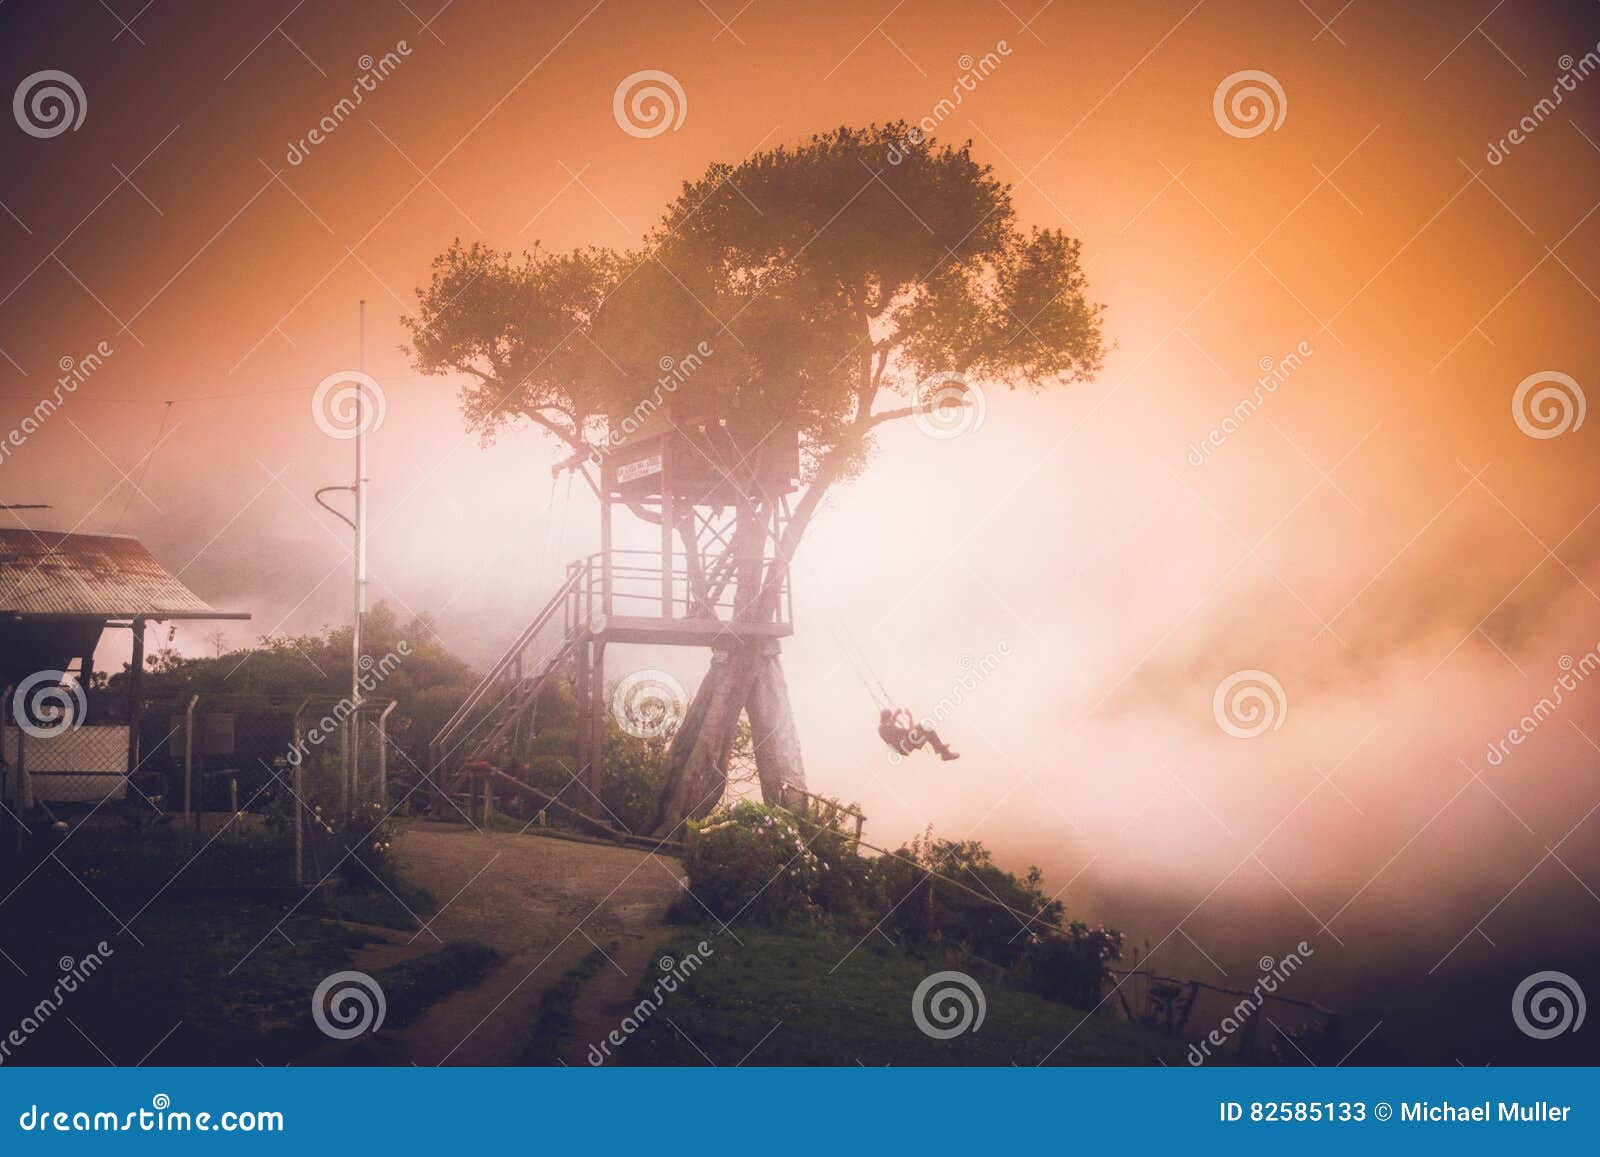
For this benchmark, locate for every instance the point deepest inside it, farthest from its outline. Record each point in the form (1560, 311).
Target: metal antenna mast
(358, 524)
(360, 488)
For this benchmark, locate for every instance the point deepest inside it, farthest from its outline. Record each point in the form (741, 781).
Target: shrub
(369, 833)
(780, 868)
(633, 777)
(753, 861)
(633, 765)
(929, 910)
(1070, 967)
(777, 866)
(847, 891)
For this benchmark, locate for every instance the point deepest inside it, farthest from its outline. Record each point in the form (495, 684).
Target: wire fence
(314, 770)
(82, 765)
(1253, 1026)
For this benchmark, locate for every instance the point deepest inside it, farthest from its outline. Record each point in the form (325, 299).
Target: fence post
(1188, 1006)
(436, 805)
(6, 784)
(383, 751)
(1247, 1039)
(297, 805)
(188, 756)
(344, 769)
(353, 724)
(24, 783)
(299, 823)
(135, 693)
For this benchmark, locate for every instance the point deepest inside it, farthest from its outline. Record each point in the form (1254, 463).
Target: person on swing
(901, 732)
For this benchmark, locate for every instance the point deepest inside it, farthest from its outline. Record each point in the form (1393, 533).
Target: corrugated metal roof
(49, 573)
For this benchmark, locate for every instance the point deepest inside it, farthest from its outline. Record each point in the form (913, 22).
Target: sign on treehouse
(642, 468)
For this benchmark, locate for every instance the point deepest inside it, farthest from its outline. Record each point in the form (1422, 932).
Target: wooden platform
(682, 632)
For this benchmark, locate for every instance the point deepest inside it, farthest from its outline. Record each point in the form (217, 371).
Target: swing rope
(555, 521)
(566, 511)
(869, 677)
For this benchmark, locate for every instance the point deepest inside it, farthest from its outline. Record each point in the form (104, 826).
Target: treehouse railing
(634, 583)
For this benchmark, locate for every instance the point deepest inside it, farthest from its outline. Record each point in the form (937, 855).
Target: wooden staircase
(613, 596)
(500, 713)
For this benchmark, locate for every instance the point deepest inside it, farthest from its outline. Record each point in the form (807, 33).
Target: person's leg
(933, 741)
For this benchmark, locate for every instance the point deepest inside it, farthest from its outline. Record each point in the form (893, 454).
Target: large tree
(831, 281)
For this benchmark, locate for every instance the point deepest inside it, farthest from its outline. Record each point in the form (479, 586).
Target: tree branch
(879, 419)
(571, 438)
(581, 449)
(644, 513)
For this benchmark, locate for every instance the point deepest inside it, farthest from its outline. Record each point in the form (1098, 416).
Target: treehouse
(674, 454)
(715, 486)
(717, 489)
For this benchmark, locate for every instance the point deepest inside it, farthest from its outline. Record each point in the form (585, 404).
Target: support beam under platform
(684, 632)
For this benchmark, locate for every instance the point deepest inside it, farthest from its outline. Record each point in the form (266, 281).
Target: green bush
(633, 765)
(752, 861)
(769, 866)
(367, 832)
(778, 867)
(848, 892)
(998, 917)
(1071, 967)
(932, 911)
(634, 771)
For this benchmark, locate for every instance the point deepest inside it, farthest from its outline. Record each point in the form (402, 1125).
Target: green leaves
(517, 329)
(823, 275)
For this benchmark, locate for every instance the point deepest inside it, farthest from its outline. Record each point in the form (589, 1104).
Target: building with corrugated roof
(59, 594)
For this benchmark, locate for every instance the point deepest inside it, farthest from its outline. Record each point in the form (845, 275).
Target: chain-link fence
(334, 781)
(314, 770)
(66, 765)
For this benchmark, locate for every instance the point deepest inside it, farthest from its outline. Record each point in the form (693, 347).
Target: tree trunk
(772, 729)
(697, 761)
(745, 678)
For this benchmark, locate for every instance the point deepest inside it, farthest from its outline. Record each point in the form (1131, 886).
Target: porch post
(135, 694)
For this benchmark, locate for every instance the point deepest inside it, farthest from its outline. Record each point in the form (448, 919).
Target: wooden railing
(1173, 1011)
(509, 673)
(828, 805)
(635, 583)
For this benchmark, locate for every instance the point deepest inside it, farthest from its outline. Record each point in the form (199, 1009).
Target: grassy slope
(860, 1013)
(225, 978)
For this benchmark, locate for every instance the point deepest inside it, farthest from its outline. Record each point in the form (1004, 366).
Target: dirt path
(607, 998)
(542, 904)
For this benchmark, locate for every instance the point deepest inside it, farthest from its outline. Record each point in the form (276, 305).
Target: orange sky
(1380, 535)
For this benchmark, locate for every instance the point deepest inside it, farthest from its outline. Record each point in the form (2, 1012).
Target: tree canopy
(827, 280)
